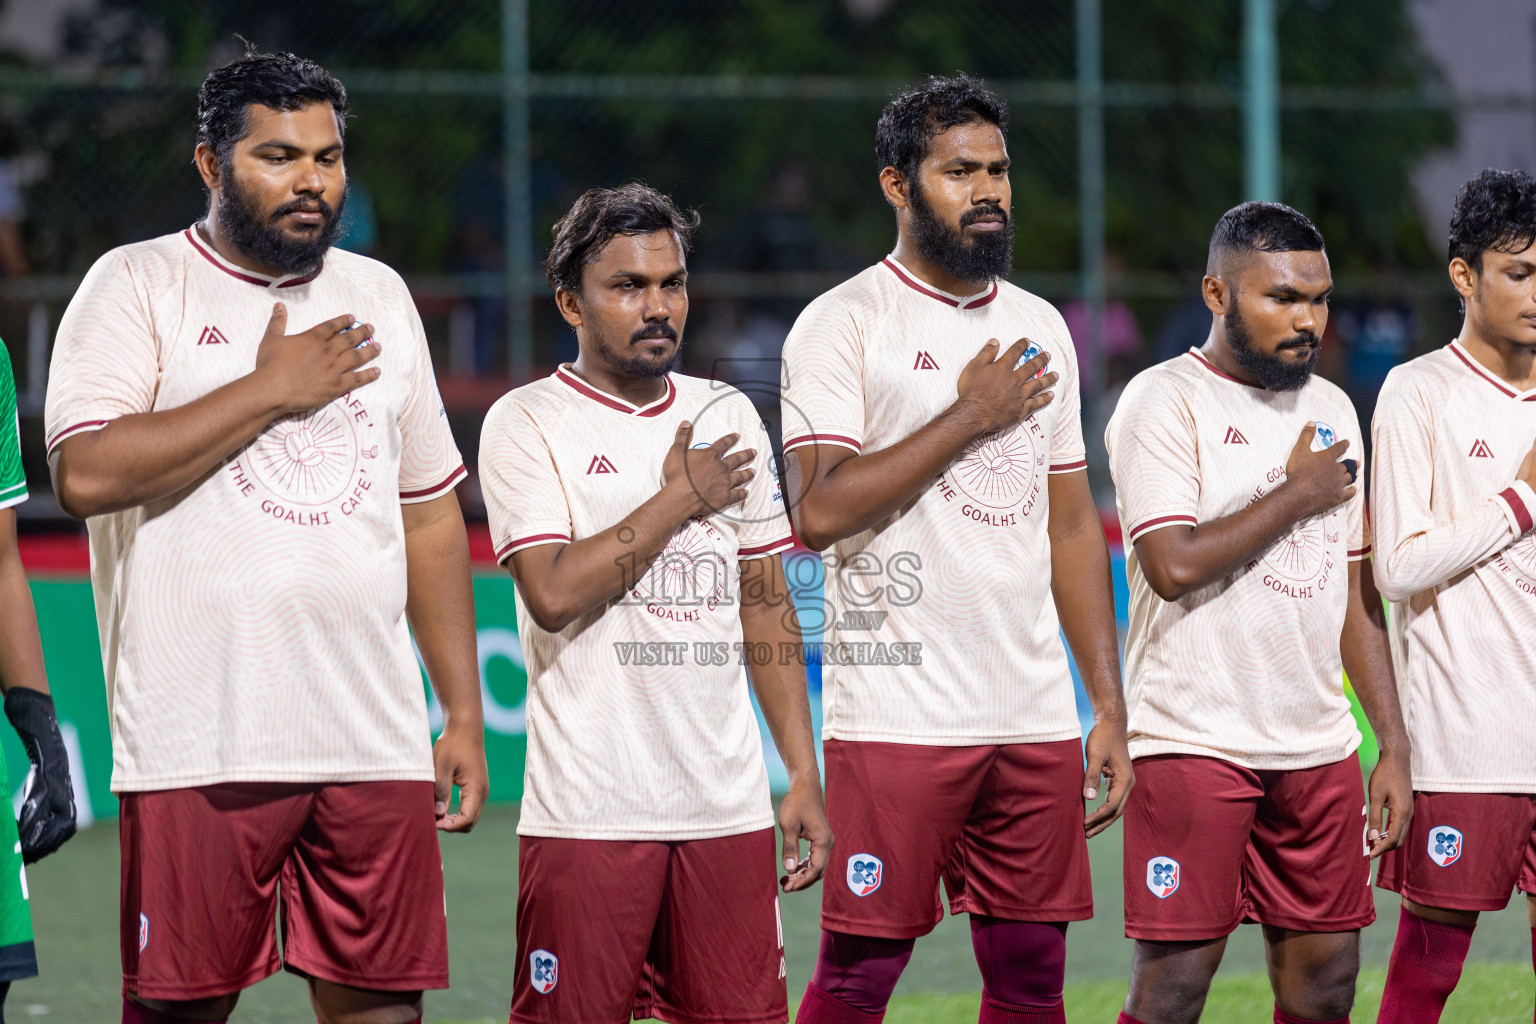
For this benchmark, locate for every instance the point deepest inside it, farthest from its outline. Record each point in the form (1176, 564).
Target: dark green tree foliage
(120, 160)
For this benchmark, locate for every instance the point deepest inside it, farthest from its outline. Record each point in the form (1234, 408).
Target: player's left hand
(459, 759)
(1107, 755)
(48, 806)
(803, 815)
(1391, 807)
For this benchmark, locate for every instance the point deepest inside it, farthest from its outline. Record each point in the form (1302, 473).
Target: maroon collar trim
(581, 387)
(245, 275)
(1200, 358)
(1477, 368)
(959, 302)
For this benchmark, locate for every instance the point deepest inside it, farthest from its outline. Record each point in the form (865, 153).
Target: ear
(207, 163)
(569, 305)
(894, 187)
(1218, 294)
(1463, 278)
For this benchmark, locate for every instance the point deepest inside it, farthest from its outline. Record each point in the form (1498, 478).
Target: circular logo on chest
(1301, 554)
(307, 459)
(998, 470)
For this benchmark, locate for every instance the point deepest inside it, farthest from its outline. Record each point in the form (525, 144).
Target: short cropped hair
(280, 81)
(602, 214)
(1494, 212)
(910, 122)
(1261, 227)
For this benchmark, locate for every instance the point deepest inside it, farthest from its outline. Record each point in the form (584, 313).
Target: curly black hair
(601, 214)
(1494, 212)
(911, 121)
(1261, 227)
(280, 81)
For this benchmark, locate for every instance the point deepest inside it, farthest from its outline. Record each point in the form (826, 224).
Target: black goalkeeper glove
(48, 810)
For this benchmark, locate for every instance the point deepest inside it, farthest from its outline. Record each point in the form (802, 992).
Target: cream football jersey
(1246, 669)
(940, 625)
(253, 626)
(1456, 559)
(640, 722)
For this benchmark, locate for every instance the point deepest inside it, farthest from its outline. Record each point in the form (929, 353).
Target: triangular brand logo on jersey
(925, 362)
(1480, 450)
(1234, 436)
(212, 336)
(600, 464)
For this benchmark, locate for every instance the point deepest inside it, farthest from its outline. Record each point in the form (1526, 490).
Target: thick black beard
(981, 258)
(638, 366)
(1272, 372)
(255, 233)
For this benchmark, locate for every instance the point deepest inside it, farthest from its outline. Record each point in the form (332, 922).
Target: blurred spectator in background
(479, 227)
(359, 228)
(777, 236)
(1120, 334)
(13, 252)
(1377, 333)
(1187, 326)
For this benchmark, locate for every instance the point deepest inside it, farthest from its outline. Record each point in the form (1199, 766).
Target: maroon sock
(138, 1013)
(1425, 966)
(854, 973)
(995, 1012)
(1126, 1018)
(1023, 963)
(1533, 948)
(1281, 1017)
(819, 1007)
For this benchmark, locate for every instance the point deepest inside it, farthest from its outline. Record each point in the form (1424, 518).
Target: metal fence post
(1090, 184)
(519, 192)
(1261, 102)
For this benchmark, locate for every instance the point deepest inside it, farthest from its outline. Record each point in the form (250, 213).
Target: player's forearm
(440, 605)
(859, 492)
(562, 583)
(1367, 660)
(1179, 560)
(780, 684)
(1083, 589)
(144, 457)
(21, 651)
(1425, 559)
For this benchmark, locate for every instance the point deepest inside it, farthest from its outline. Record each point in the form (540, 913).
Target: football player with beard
(934, 444)
(1234, 471)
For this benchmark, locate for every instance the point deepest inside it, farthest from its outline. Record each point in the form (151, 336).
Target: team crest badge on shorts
(865, 872)
(1163, 876)
(1445, 845)
(543, 970)
(143, 932)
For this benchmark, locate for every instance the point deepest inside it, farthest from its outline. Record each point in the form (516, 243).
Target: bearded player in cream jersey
(266, 511)
(1234, 469)
(932, 431)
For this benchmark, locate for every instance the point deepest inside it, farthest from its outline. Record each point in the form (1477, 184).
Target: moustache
(1306, 339)
(971, 216)
(319, 206)
(655, 331)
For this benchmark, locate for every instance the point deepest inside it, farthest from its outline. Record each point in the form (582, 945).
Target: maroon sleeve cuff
(1517, 506)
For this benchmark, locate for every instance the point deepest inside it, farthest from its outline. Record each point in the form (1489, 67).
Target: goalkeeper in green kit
(48, 807)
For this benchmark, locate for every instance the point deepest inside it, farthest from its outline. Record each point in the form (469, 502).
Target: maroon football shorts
(356, 866)
(1002, 825)
(686, 931)
(1465, 851)
(1210, 844)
